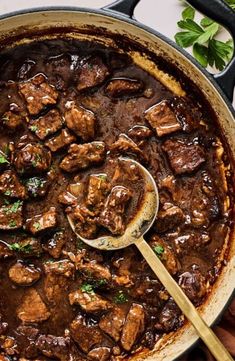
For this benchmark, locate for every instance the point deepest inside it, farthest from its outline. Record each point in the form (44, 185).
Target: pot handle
(125, 7)
(219, 11)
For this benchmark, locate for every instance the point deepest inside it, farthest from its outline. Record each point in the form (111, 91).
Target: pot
(115, 26)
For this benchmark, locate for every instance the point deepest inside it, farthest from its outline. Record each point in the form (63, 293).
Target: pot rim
(126, 19)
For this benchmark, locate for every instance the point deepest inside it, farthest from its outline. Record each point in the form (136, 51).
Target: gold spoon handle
(206, 334)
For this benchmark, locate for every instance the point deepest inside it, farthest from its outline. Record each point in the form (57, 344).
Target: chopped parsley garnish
(87, 288)
(12, 223)
(3, 159)
(103, 177)
(8, 193)
(36, 160)
(37, 226)
(12, 208)
(27, 248)
(120, 297)
(159, 250)
(33, 128)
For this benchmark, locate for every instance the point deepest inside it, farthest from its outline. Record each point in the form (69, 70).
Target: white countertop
(162, 18)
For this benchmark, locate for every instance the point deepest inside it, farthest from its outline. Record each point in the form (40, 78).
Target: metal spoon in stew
(133, 234)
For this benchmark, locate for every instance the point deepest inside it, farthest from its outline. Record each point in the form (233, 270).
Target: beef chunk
(133, 326)
(24, 275)
(38, 93)
(10, 346)
(12, 120)
(84, 221)
(127, 146)
(36, 187)
(55, 244)
(32, 308)
(87, 337)
(100, 354)
(93, 72)
(98, 188)
(11, 186)
(123, 87)
(139, 132)
(47, 124)
(63, 267)
(64, 138)
(32, 158)
(29, 247)
(89, 302)
(162, 119)
(5, 251)
(94, 270)
(83, 156)
(112, 215)
(165, 253)
(11, 216)
(169, 319)
(184, 157)
(81, 121)
(193, 284)
(123, 264)
(168, 217)
(112, 323)
(42, 222)
(204, 204)
(186, 113)
(27, 335)
(53, 346)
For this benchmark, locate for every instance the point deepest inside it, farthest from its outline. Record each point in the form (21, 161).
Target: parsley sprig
(207, 50)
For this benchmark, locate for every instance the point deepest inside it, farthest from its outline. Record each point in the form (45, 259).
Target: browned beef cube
(125, 145)
(112, 215)
(89, 302)
(165, 253)
(55, 244)
(5, 251)
(42, 222)
(24, 275)
(193, 284)
(184, 157)
(63, 267)
(84, 221)
(83, 156)
(32, 158)
(162, 119)
(68, 199)
(168, 217)
(123, 87)
(36, 187)
(98, 187)
(100, 354)
(47, 124)
(38, 93)
(186, 113)
(32, 309)
(87, 337)
(11, 186)
(95, 270)
(58, 142)
(12, 120)
(80, 120)
(169, 318)
(139, 132)
(11, 216)
(204, 204)
(52, 346)
(133, 326)
(93, 72)
(112, 323)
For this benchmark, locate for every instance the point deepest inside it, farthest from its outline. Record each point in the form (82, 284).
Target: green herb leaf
(206, 22)
(19, 248)
(218, 53)
(37, 226)
(185, 38)
(190, 25)
(120, 298)
(12, 208)
(188, 13)
(200, 53)
(87, 288)
(12, 223)
(158, 250)
(209, 33)
(3, 159)
(33, 128)
(8, 193)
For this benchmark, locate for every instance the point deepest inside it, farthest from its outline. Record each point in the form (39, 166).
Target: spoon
(133, 234)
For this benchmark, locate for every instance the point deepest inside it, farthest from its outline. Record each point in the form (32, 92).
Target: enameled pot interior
(97, 26)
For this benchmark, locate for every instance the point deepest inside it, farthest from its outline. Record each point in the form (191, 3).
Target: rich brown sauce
(45, 271)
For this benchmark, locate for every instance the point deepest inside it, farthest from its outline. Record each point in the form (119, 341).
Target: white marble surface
(162, 18)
